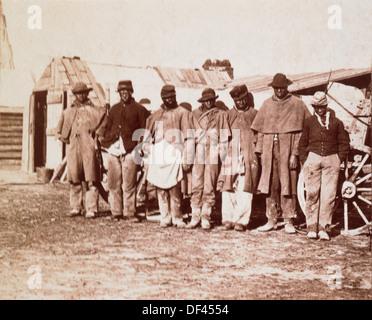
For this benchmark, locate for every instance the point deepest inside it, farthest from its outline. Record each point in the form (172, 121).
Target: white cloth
(117, 148)
(237, 206)
(164, 165)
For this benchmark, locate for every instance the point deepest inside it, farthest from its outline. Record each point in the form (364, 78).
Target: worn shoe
(323, 235)
(289, 228)
(205, 224)
(193, 224)
(239, 227)
(90, 215)
(73, 213)
(133, 219)
(165, 224)
(270, 225)
(180, 225)
(229, 226)
(312, 235)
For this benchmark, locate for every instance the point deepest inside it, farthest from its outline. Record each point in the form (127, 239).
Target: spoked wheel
(356, 194)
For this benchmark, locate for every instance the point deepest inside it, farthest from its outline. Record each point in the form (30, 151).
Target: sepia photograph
(185, 154)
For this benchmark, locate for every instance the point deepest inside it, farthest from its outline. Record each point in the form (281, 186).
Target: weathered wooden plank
(70, 69)
(54, 98)
(60, 65)
(98, 89)
(10, 147)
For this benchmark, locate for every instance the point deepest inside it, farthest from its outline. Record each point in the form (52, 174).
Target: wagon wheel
(354, 191)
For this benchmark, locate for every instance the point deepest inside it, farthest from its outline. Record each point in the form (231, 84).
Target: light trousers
(122, 183)
(321, 178)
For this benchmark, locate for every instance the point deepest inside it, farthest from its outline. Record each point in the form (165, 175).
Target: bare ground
(103, 259)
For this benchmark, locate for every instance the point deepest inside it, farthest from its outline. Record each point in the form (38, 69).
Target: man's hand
(293, 162)
(186, 167)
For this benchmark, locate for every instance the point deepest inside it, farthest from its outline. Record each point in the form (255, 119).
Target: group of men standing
(239, 152)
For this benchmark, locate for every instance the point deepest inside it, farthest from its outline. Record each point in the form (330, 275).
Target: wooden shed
(50, 96)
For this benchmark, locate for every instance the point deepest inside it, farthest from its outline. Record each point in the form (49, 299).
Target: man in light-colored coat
(240, 171)
(79, 126)
(279, 124)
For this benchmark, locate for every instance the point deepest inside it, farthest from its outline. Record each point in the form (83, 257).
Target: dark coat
(241, 121)
(122, 121)
(316, 138)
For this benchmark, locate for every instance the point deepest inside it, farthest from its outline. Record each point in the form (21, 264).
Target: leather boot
(205, 216)
(270, 225)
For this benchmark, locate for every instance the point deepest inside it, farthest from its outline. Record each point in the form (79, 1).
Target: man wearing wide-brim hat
(323, 146)
(78, 127)
(124, 118)
(238, 179)
(212, 136)
(279, 123)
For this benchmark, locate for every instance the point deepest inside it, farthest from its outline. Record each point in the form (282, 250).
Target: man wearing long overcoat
(239, 175)
(78, 127)
(213, 133)
(279, 123)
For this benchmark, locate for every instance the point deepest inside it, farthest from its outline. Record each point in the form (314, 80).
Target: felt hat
(239, 92)
(319, 99)
(208, 94)
(125, 85)
(280, 81)
(80, 87)
(167, 91)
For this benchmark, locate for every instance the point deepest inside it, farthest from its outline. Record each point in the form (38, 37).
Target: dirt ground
(45, 255)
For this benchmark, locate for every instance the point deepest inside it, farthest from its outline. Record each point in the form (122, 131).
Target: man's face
(209, 103)
(320, 110)
(170, 102)
(125, 95)
(242, 104)
(81, 96)
(280, 92)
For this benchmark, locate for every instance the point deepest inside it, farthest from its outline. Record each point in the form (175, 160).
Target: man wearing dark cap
(238, 179)
(323, 146)
(279, 123)
(78, 127)
(169, 145)
(124, 119)
(212, 138)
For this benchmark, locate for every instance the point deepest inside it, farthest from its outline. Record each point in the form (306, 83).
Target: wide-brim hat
(239, 92)
(125, 85)
(167, 91)
(319, 99)
(280, 81)
(208, 94)
(80, 87)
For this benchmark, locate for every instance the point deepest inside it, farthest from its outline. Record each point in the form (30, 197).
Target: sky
(257, 36)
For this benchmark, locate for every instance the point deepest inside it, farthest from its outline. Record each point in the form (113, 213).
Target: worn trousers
(321, 178)
(170, 201)
(204, 180)
(275, 201)
(91, 196)
(122, 183)
(237, 206)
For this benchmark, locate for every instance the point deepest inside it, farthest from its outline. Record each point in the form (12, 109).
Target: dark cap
(208, 94)
(168, 91)
(239, 92)
(125, 85)
(280, 81)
